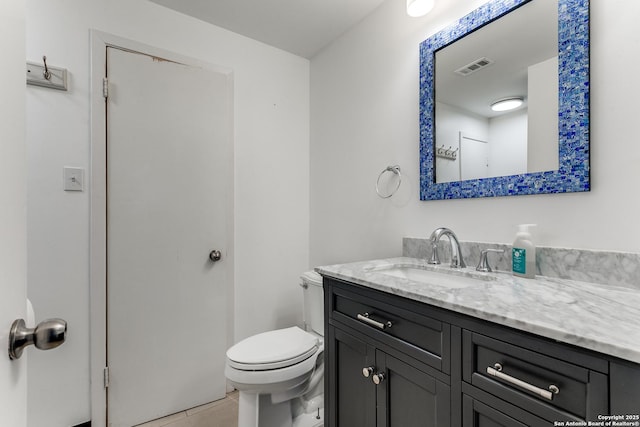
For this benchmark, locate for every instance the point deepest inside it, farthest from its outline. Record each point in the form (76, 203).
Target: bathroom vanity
(410, 344)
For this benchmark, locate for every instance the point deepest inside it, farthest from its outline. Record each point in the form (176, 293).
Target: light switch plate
(73, 179)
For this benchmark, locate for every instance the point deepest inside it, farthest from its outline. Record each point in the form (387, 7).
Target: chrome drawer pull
(380, 325)
(496, 371)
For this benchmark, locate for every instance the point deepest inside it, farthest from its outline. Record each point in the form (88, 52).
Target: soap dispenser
(523, 253)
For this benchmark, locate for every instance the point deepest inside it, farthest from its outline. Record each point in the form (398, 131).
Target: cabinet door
(477, 414)
(493, 412)
(408, 397)
(351, 396)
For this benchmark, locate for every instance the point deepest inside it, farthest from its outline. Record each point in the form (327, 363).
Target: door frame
(98, 207)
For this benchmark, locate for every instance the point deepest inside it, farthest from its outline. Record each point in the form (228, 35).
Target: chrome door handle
(366, 372)
(380, 325)
(48, 334)
(215, 255)
(496, 371)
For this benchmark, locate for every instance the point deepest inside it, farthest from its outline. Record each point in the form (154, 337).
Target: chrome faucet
(456, 253)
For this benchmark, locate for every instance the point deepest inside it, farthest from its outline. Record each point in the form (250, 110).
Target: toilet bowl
(279, 374)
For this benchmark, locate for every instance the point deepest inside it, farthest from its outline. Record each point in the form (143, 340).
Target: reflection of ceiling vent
(474, 66)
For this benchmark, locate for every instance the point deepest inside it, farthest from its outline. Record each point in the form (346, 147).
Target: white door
(13, 218)
(167, 128)
(474, 157)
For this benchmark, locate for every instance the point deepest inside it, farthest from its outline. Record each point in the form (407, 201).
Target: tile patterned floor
(221, 413)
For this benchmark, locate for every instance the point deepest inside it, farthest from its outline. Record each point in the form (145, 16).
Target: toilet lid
(273, 349)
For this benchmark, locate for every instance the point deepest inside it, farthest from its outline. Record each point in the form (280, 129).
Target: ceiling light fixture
(506, 104)
(416, 8)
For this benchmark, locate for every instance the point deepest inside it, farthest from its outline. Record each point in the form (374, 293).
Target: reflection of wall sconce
(446, 153)
(506, 104)
(416, 8)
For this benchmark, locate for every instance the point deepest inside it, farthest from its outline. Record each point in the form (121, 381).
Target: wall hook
(46, 73)
(41, 74)
(447, 153)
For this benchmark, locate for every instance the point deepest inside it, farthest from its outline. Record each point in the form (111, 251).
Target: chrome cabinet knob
(215, 255)
(366, 372)
(378, 378)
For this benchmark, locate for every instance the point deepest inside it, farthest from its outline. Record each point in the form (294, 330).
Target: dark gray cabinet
(487, 411)
(352, 396)
(409, 397)
(476, 413)
(434, 367)
(371, 388)
(552, 388)
(387, 365)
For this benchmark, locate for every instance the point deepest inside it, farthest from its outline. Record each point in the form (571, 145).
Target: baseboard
(87, 424)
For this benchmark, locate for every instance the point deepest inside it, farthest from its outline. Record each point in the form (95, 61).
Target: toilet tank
(313, 303)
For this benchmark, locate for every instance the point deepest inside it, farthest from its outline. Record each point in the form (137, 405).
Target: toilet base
(310, 420)
(255, 410)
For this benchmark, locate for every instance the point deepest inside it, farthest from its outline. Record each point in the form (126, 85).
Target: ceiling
(302, 27)
(524, 37)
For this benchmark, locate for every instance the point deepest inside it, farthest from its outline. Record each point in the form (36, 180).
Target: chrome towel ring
(396, 170)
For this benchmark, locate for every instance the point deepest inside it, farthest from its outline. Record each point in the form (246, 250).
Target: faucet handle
(483, 264)
(435, 259)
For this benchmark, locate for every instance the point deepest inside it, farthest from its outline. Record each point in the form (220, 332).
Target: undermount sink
(451, 279)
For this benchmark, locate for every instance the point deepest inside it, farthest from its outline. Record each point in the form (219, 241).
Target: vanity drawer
(531, 379)
(417, 335)
(480, 409)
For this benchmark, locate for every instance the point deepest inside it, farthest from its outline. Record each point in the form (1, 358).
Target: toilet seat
(273, 350)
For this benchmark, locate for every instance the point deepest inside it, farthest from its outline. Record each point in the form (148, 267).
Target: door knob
(215, 255)
(46, 335)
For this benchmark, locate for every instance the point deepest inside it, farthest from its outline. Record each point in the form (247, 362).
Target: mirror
(515, 58)
(535, 50)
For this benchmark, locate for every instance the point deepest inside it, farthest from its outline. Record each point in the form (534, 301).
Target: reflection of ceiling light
(418, 8)
(506, 104)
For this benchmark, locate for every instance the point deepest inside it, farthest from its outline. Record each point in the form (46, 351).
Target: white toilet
(279, 373)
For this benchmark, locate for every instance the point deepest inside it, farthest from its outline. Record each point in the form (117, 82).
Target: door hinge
(105, 87)
(106, 376)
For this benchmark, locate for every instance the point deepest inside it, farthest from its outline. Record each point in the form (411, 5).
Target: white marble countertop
(597, 317)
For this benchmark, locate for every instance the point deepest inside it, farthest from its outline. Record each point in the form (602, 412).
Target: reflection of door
(13, 219)
(474, 157)
(167, 129)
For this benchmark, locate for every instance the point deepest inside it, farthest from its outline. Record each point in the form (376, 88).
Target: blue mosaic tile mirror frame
(573, 111)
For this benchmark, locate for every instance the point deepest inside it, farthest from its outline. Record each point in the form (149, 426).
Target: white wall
(271, 109)
(508, 144)
(452, 121)
(364, 92)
